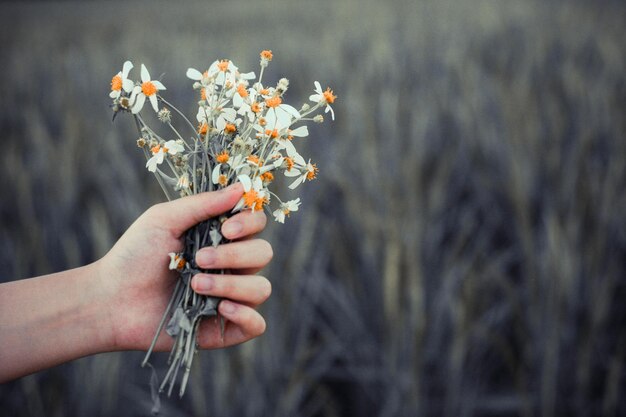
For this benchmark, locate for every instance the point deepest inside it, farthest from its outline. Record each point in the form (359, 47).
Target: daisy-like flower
(307, 172)
(149, 88)
(279, 114)
(171, 147)
(177, 262)
(285, 209)
(324, 97)
(255, 195)
(202, 79)
(121, 82)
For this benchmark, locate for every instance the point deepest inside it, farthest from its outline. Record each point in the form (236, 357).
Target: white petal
(246, 182)
(139, 104)
(114, 94)
(154, 102)
(318, 88)
(194, 74)
(248, 76)
(229, 114)
(152, 164)
(332, 112)
(128, 85)
(293, 173)
(215, 176)
(296, 183)
(145, 75)
(291, 110)
(126, 68)
(300, 132)
(279, 216)
(158, 85)
(239, 206)
(173, 147)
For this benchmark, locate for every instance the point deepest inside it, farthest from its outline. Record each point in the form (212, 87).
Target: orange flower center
(223, 65)
(312, 174)
(148, 88)
(223, 157)
(203, 128)
(329, 96)
(254, 159)
(262, 121)
(264, 92)
(253, 200)
(222, 180)
(255, 107)
(273, 101)
(203, 94)
(116, 83)
(267, 177)
(289, 163)
(241, 90)
(272, 133)
(267, 54)
(157, 148)
(230, 128)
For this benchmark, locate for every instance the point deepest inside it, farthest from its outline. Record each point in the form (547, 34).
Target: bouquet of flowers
(244, 134)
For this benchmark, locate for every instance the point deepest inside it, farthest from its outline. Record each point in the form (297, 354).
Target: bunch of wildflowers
(244, 133)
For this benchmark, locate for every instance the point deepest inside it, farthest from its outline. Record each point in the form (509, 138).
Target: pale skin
(116, 302)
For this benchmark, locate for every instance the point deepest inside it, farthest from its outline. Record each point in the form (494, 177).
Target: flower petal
(145, 75)
(194, 74)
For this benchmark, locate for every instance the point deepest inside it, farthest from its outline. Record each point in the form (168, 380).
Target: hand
(135, 279)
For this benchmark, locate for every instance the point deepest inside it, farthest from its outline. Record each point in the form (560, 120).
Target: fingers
(242, 324)
(246, 289)
(246, 223)
(240, 294)
(249, 255)
(184, 213)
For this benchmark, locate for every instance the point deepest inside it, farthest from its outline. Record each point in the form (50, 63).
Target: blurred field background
(462, 253)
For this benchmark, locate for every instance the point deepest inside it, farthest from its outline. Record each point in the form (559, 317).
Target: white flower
(255, 195)
(221, 115)
(217, 177)
(148, 88)
(279, 114)
(285, 209)
(324, 97)
(176, 261)
(305, 172)
(202, 78)
(171, 147)
(121, 82)
(224, 71)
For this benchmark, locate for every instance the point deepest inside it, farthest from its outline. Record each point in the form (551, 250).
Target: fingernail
(232, 228)
(203, 283)
(206, 257)
(227, 307)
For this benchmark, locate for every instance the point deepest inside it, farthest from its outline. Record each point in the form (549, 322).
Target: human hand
(135, 280)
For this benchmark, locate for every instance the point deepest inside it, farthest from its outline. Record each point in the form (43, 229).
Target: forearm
(49, 320)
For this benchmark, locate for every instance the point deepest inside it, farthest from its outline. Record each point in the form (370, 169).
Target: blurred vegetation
(462, 253)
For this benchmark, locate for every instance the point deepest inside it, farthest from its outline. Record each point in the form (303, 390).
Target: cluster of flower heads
(244, 132)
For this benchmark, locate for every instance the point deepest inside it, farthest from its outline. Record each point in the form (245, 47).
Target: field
(461, 254)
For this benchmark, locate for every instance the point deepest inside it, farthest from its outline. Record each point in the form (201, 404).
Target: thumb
(182, 214)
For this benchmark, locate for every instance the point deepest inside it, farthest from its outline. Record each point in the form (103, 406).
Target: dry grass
(462, 253)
